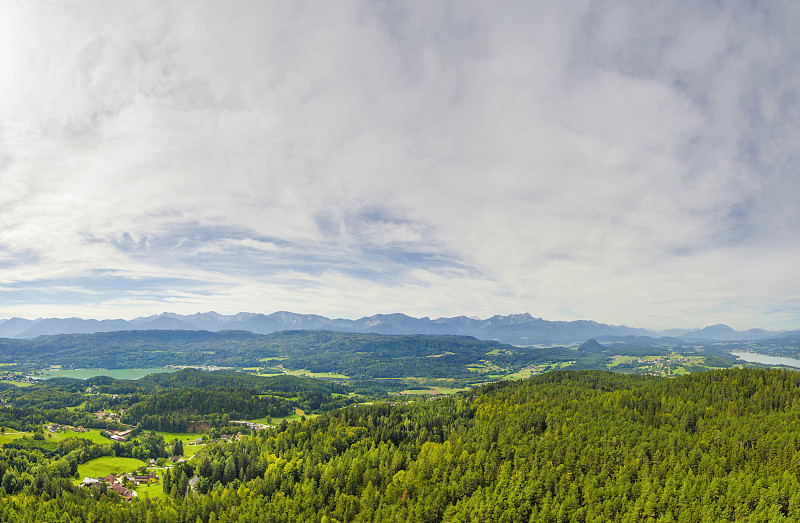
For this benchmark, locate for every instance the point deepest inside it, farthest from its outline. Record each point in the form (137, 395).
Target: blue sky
(617, 161)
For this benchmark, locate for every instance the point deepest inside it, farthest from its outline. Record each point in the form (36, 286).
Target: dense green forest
(167, 401)
(564, 446)
(366, 360)
(356, 355)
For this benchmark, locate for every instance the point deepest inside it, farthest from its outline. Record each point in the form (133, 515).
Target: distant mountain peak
(519, 329)
(591, 345)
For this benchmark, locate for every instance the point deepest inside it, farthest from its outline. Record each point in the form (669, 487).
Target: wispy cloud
(621, 162)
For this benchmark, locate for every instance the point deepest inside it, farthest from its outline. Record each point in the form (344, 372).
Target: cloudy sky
(628, 162)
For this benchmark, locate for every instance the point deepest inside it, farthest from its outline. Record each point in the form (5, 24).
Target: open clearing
(11, 436)
(99, 467)
(17, 383)
(154, 491)
(432, 391)
(309, 374)
(298, 413)
(90, 434)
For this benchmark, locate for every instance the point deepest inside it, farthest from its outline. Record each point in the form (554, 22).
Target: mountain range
(520, 329)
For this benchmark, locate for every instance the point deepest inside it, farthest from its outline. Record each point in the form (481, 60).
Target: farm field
(533, 370)
(190, 450)
(309, 374)
(185, 437)
(10, 436)
(90, 434)
(153, 491)
(670, 365)
(433, 391)
(100, 467)
(16, 383)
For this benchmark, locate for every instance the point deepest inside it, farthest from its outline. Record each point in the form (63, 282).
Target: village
(120, 483)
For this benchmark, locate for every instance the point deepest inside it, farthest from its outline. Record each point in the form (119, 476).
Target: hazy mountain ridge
(520, 329)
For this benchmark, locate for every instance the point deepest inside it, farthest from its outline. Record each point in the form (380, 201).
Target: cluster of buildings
(55, 427)
(231, 437)
(17, 378)
(119, 435)
(108, 416)
(254, 426)
(117, 483)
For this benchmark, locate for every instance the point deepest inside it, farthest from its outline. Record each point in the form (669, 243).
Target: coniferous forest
(564, 446)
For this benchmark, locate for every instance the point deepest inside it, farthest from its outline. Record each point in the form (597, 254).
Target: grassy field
(154, 491)
(17, 383)
(533, 370)
(99, 467)
(298, 413)
(433, 391)
(185, 437)
(191, 450)
(672, 365)
(90, 434)
(309, 374)
(120, 374)
(10, 436)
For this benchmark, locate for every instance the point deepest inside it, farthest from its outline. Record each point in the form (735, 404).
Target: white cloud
(624, 163)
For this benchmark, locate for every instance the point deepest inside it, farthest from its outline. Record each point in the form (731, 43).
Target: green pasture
(99, 467)
(152, 491)
(10, 436)
(433, 391)
(185, 437)
(309, 374)
(534, 370)
(16, 383)
(91, 434)
(298, 413)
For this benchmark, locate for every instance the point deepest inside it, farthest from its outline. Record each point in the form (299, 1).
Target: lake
(119, 374)
(753, 357)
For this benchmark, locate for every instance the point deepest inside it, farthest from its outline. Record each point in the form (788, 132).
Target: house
(152, 462)
(110, 479)
(141, 478)
(197, 441)
(88, 482)
(117, 437)
(126, 477)
(122, 491)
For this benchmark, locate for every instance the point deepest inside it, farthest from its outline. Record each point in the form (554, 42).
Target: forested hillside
(360, 356)
(564, 446)
(367, 360)
(168, 401)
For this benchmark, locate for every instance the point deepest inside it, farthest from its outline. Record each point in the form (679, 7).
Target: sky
(627, 162)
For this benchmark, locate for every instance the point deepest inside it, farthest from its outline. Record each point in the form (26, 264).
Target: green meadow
(11, 436)
(90, 434)
(152, 491)
(99, 467)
